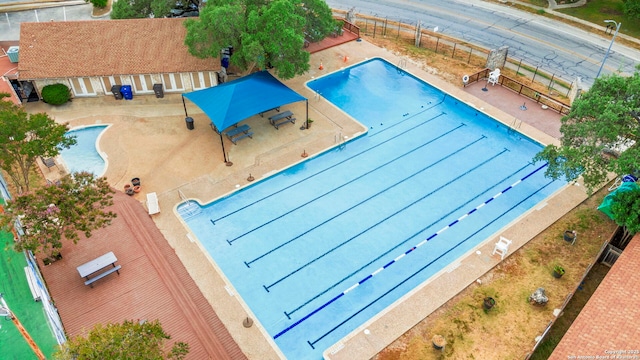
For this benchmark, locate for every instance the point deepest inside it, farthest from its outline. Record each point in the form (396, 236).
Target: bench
(282, 115)
(277, 108)
(235, 131)
(33, 286)
(152, 203)
(234, 140)
(284, 121)
(96, 278)
(49, 162)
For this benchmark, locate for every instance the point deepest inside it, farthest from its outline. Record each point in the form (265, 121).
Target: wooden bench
(284, 121)
(96, 278)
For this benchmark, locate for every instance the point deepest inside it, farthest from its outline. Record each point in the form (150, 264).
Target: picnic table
(282, 118)
(239, 133)
(97, 264)
(277, 108)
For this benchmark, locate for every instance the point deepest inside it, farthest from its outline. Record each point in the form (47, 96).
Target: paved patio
(149, 139)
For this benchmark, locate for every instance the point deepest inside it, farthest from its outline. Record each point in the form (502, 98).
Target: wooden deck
(153, 284)
(331, 42)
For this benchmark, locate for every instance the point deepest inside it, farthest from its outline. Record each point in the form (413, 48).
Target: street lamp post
(610, 45)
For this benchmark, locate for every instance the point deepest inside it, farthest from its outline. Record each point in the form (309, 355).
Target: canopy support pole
(185, 107)
(306, 122)
(224, 153)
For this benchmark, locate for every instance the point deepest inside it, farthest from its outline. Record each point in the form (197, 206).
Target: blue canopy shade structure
(229, 103)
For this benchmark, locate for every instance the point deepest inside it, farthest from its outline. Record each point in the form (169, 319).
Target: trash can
(189, 121)
(115, 89)
(157, 89)
(126, 92)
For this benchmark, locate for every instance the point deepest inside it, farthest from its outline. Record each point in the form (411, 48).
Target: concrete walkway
(149, 139)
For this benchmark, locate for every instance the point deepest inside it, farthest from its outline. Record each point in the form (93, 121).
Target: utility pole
(4, 311)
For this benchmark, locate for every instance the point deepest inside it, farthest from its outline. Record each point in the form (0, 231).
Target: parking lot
(10, 20)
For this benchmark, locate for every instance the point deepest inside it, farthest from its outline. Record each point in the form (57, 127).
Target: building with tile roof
(93, 56)
(608, 324)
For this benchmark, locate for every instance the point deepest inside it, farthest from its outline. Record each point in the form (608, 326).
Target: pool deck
(149, 139)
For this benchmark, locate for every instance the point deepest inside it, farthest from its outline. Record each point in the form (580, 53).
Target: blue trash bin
(126, 92)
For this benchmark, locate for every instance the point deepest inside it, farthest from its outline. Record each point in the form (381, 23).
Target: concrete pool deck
(149, 140)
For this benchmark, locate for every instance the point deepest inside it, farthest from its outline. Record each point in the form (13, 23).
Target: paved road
(563, 50)
(10, 21)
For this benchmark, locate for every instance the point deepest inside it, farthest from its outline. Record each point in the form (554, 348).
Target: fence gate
(610, 256)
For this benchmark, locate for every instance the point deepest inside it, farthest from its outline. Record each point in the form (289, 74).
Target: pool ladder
(515, 125)
(189, 209)
(339, 139)
(402, 65)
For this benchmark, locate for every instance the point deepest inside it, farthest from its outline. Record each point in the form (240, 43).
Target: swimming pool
(85, 156)
(319, 249)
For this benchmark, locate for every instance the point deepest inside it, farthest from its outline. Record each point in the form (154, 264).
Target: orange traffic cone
(346, 58)
(321, 67)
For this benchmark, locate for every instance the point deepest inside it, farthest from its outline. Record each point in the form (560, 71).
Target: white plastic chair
(502, 247)
(494, 76)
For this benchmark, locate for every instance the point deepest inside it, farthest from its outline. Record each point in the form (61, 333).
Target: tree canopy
(137, 340)
(75, 205)
(625, 208)
(600, 134)
(632, 8)
(26, 137)
(141, 9)
(262, 33)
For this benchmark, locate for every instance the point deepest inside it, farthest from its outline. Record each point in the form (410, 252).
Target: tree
(632, 8)
(625, 208)
(141, 9)
(75, 205)
(129, 340)
(26, 137)
(262, 33)
(600, 134)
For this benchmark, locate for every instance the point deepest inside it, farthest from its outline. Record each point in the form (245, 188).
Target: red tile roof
(609, 321)
(106, 47)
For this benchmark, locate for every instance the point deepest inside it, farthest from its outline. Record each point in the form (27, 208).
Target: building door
(202, 80)
(172, 82)
(109, 81)
(142, 84)
(82, 87)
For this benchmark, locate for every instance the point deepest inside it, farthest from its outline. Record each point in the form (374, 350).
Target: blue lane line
(468, 172)
(364, 201)
(404, 254)
(388, 251)
(312, 343)
(327, 169)
(400, 156)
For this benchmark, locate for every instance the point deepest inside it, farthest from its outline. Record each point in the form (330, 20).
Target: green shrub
(56, 94)
(98, 3)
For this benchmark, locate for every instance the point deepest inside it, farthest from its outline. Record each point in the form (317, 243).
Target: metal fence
(553, 84)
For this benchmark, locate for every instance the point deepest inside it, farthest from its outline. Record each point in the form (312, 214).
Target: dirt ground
(509, 329)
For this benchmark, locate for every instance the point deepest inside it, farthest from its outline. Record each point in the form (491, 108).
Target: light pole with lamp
(610, 45)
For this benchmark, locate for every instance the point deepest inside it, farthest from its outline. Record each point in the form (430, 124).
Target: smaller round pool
(85, 155)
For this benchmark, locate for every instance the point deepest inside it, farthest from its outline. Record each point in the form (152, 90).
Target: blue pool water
(319, 249)
(84, 156)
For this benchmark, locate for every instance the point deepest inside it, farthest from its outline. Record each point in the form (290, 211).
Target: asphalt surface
(560, 49)
(10, 20)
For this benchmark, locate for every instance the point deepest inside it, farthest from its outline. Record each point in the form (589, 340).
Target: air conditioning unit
(13, 53)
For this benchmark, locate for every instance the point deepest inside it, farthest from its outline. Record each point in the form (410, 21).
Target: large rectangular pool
(319, 249)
